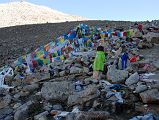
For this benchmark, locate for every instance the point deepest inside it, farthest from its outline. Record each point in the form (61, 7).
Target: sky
(127, 10)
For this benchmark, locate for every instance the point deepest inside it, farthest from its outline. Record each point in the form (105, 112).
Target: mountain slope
(21, 13)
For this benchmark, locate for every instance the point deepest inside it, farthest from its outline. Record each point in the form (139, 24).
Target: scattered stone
(22, 112)
(57, 107)
(100, 115)
(31, 88)
(152, 37)
(81, 97)
(4, 112)
(17, 96)
(24, 94)
(62, 73)
(134, 78)
(85, 70)
(116, 76)
(5, 101)
(47, 106)
(132, 87)
(41, 116)
(56, 90)
(9, 118)
(150, 96)
(156, 64)
(141, 88)
(74, 70)
(17, 105)
(95, 104)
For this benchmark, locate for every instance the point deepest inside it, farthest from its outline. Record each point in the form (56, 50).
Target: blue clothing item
(124, 58)
(124, 63)
(117, 95)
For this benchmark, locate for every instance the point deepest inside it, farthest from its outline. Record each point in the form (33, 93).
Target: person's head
(100, 48)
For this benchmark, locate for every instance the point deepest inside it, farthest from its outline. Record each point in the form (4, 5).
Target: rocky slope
(21, 13)
(19, 40)
(40, 96)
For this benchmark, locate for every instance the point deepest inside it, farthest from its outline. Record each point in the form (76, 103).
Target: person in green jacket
(98, 65)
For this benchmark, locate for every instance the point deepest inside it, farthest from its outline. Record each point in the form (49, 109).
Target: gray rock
(41, 77)
(5, 101)
(17, 105)
(4, 112)
(150, 96)
(47, 106)
(17, 96)
(152, 37)
(91, 110)
(83, 96)
(116, 76)
(70, 116)
(62, 73)
(156, 64)
(9, 118)
(24, 94)
(85, 69)
(87, 80)
(56, 90)
(132, 87)
(58, 107)
(140, 83)
(31, 88)
(96, 115)
(141, 88)
(74, 70)
(95, 104)
(134, 78)
(3, 91)
(155, 85)
(41, 116)
(78, 65)
(22, 112)
(17, 81)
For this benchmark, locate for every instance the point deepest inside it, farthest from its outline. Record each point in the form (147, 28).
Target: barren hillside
(21, 13)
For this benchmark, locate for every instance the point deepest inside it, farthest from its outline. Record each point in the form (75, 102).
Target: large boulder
(150, 96)
(56, 90)
(83, 96)
(134, 78)
(116, 76)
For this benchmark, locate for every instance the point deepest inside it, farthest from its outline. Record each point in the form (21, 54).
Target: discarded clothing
(149, 116)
